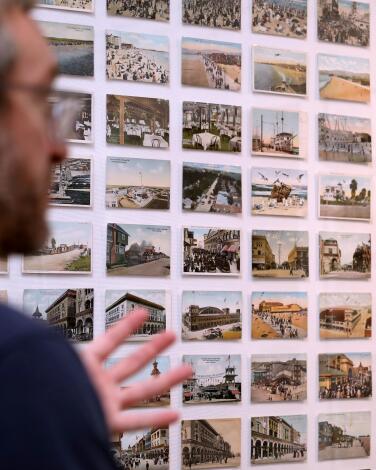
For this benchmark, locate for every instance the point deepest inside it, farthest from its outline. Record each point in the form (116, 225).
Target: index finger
(117, 334)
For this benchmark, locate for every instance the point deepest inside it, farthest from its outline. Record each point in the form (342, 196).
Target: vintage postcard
(345, 197)
(143, 449)
(280, 254)
(69, 312)
(211, 64)
(345, 375)
(137, 57)
(224, 14)
(66, 251)
(282, 192)
(222, 439)
(74, 5)
(212, 251)
(279, 71)
(138, 183)
(278, 439)
(72, 45)
(345, 316)
(280, 377)
(212, 188)
(344, 435)
(215, 379)
(140, 122)
(4, 267)
(81, 125)
(279, 133)
(158, 10)
(344, 22)
(344, 78)
(344, 138)
(211, 315)
(120, 303)
(71, 183)
(4, 296)
(152, 370)
(215, 127)
(345, 255)
(280, 18)
(138, 250)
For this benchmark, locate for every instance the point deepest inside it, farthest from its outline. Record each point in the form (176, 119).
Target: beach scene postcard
(277, 191)
(344, 78)
(279, 71)
(211, 64)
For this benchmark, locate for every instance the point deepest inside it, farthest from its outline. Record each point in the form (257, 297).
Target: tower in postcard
(155, 372)
(230, 373)
(37, 315)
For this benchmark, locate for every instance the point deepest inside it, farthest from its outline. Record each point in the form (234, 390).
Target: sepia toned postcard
(344, 138)
(4, 266)
(215, 379)
(213, 127)
(211, 315)
(226, 432)
(135, 121)
(71, 183)
(211, 64)
(282, 192)
(344, 435)
(138, 250)
(279, 315)
(152, 370)
(280, 377)
(120, 303)
(281, 254)
(157, 10)
(72, 45)
(279, 71)
(138, 183)
(278, 439)
(66, 251)
(345, 255)
(344, 78)
(344, 22)
(4, 296)
(211, 251)
(277, 133)
(212, 188)
(345, 315)
(225, 14)
(126, 453)
(137, 57)
(81, 125)
(68, 312)
(86, 6)
(280, 18)
(345, 197)
(345, 376)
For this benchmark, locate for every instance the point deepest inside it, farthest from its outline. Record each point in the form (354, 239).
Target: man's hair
(8, 49)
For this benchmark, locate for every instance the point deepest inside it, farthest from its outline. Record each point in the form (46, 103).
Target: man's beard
(23, 227)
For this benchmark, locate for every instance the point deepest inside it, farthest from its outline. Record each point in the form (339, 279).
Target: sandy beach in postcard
(340, 89)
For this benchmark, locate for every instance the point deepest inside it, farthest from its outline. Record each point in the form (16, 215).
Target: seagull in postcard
(285, 174)
(299, 177)
(263, 177)
(276, 181)
(277, 172)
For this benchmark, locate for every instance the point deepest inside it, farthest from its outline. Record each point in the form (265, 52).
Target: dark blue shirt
(50, 416)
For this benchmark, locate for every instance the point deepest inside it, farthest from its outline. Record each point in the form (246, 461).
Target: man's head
(27, 150)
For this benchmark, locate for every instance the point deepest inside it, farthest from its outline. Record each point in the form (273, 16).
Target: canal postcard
(138, 183)
(279, 71)
(345, 197)
(344, 138)
(344, 78)
(211, 315)
(211, 64)
(345, 315)
(280, 377)
(212, 188)
(276, 191)
(215, 379)
(279, 315)
(67, 250)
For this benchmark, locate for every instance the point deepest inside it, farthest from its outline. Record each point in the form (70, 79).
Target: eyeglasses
(61, 108)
